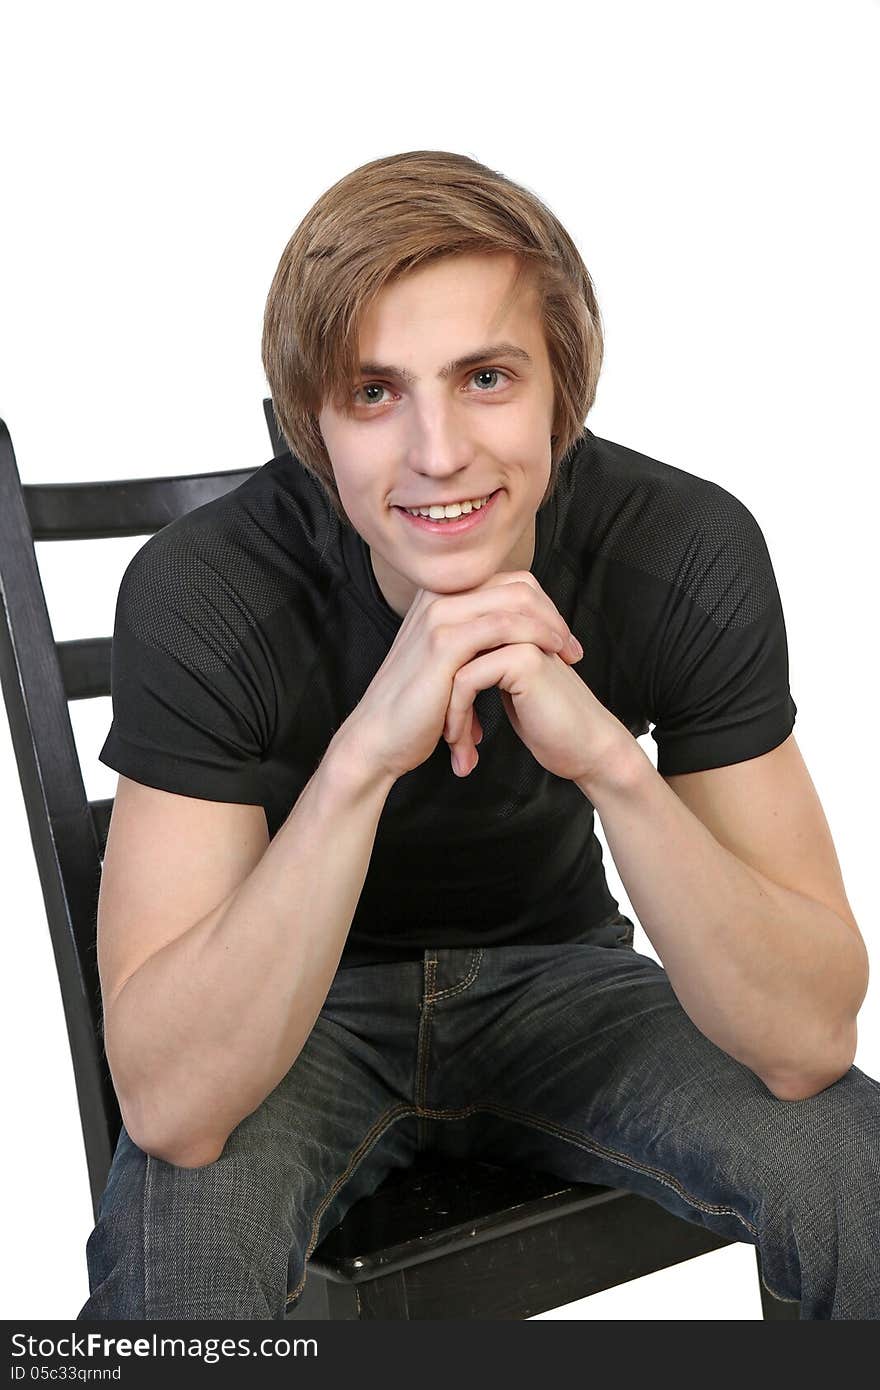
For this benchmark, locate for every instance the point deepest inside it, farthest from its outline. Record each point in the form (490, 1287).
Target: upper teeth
(436, 513)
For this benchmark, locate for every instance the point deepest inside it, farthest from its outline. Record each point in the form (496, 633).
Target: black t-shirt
(248, 630)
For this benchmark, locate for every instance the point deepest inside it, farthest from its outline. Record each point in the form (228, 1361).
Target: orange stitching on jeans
(425, 1029)
(779, 1296)
(463, 984)
(397, 1113)
(571, 1136)
(353, 1163)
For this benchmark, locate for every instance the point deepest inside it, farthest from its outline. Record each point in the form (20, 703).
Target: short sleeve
(722, 678)
(191, 710)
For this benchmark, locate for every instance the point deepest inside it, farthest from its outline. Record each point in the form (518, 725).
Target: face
(419, 435)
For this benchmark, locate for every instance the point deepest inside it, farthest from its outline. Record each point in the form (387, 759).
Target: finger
(538, 602)
(487, 670)
(487, 597)
(464, 748)
(508, 577)
(505, 627)
(460, 729)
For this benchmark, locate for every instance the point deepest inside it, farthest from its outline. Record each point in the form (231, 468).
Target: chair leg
(771, 1306)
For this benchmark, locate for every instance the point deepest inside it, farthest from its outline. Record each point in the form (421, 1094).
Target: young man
(353, 905)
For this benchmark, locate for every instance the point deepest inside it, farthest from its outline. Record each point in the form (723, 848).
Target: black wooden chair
(460, 1240)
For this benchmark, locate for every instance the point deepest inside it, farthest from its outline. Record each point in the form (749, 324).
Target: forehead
(467, 303)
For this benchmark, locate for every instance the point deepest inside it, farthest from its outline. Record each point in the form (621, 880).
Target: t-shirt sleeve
(191, 709)
(721, 683)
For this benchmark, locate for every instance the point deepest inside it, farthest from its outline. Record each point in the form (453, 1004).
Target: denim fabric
(576, 1059)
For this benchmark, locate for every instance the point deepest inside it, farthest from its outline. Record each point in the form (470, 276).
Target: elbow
(198, 1156)
(801, 1089)
(190, 1152)
(803, 1085)
(195, 1154)
(147, 1128)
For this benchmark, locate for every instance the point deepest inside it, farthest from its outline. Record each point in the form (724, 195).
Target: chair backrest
(39, 678)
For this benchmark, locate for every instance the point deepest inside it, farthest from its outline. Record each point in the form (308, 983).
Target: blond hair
(382, 220)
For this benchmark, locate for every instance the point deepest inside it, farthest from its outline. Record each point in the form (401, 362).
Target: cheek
(365, 505)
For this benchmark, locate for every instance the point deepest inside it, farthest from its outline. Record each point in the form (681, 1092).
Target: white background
(715, 164)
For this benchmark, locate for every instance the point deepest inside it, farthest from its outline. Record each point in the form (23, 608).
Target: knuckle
(437, 633)
(531, 593)
(435, 611)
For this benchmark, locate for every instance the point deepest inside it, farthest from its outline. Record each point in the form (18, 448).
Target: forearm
(770, 976)
(215, 1020)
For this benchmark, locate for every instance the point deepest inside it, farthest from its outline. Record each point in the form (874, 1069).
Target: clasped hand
(552, 710)
(505, 632)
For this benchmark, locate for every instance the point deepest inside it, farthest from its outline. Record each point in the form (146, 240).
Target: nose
(439, 451)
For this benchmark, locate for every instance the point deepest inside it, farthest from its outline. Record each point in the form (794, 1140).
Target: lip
(452, 528)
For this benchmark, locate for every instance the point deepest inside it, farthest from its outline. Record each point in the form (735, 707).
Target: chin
(453, 579)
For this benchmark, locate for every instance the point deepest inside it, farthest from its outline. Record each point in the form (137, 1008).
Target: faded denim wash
(576, 1059)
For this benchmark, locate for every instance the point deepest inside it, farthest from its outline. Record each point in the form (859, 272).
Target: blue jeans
(576, 1059)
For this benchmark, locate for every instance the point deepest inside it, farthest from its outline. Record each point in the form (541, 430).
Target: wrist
(349, 765)
(621, 769)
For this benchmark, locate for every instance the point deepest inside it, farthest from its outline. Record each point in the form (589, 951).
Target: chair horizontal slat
(124, 507)
(85, 667)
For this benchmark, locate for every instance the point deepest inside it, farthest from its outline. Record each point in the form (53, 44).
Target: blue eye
(482, 371)
(371, 386)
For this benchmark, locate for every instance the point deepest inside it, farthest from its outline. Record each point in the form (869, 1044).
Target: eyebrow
(458, 364)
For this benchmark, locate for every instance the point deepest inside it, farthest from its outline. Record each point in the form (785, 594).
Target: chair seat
(455, 1232)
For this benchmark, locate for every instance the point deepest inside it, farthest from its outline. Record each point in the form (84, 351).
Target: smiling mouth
(486, 496)
(450, 526)
(416, 506)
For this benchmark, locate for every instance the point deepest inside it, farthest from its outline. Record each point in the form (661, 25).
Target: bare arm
(202, 1032)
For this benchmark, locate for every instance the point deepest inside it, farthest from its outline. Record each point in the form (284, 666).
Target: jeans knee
(114, 1261)
(214, 1241)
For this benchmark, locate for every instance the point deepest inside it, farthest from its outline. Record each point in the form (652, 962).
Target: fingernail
(576, 646)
